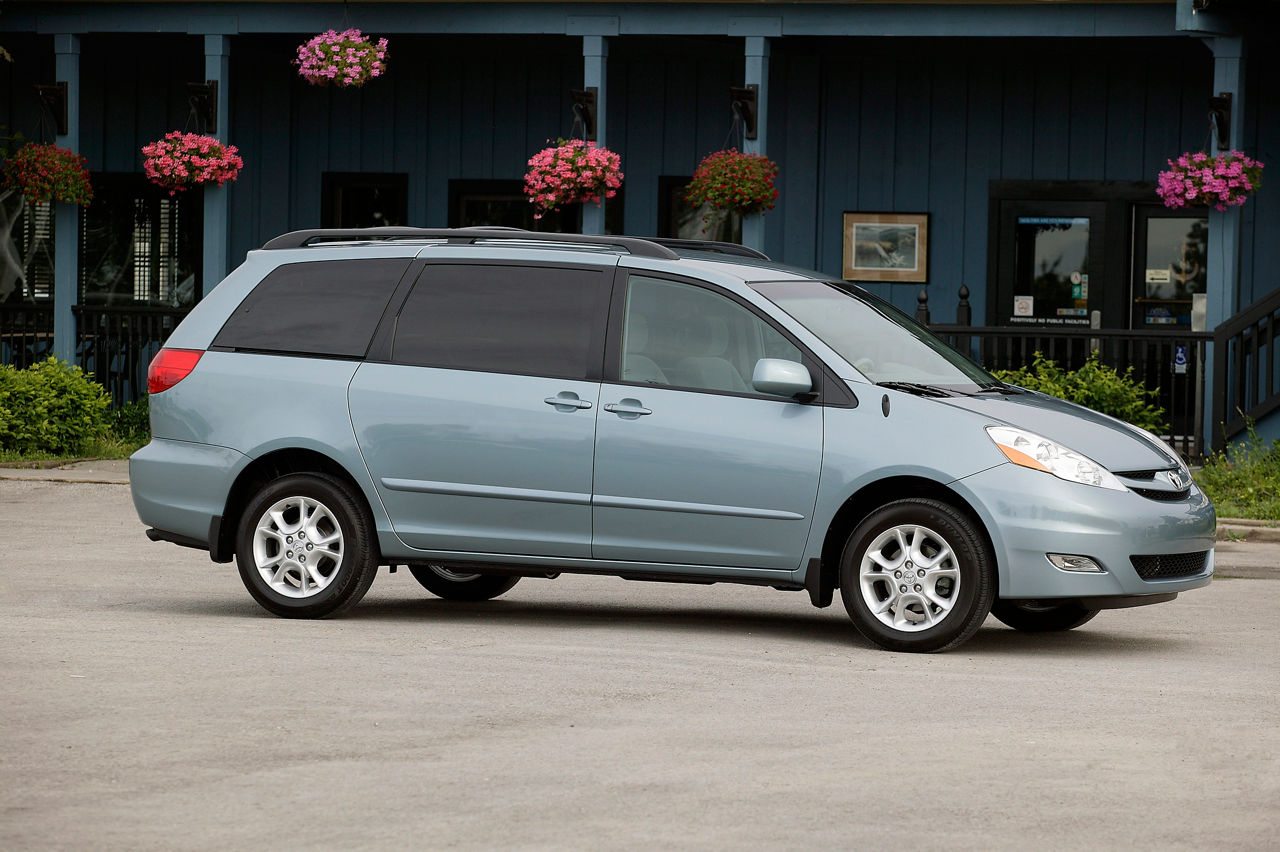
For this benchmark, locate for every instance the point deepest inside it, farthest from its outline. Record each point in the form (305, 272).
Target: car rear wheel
(459, 585)
(1041, 616)
(304, 547)
(917, 575)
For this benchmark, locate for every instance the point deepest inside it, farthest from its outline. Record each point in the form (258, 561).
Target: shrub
(1094, 385)
(50, 407)
(131, 422)
(1244, 480)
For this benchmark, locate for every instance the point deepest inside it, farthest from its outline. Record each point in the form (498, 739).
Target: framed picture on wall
(886, 247)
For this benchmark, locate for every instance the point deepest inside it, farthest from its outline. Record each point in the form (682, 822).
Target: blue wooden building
(1012, 147)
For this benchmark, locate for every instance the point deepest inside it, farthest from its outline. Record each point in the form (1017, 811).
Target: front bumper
(1030, 514)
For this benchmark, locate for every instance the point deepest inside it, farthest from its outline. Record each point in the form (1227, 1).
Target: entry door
(1051, 269)
(1170, 257)
(692, 465)
(479, 434)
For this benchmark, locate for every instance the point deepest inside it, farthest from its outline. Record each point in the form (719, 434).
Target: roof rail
(710, 245)
(466, 236)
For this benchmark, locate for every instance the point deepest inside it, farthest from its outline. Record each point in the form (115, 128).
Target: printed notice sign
(1024, 306)
(1158, 276)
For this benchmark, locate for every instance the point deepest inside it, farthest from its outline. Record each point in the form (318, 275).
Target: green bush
(131, 422)
(1094, 385)
(50, 407)
(1244, 481)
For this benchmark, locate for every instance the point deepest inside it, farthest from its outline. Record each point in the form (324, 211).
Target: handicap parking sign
(1180, 359)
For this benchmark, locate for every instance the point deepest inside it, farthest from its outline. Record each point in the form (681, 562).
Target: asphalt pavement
(150, 704)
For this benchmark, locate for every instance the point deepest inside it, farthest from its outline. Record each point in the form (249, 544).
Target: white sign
(1024, 306)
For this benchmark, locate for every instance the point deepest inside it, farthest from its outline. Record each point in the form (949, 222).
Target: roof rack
(710, 245)
(465, 236)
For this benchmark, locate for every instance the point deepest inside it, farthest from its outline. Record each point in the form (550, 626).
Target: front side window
(685, 336)
(883, 343)
(524, 320)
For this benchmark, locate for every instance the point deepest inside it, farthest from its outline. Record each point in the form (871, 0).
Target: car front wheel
(459, 585)
(917, 575)
(304, 547)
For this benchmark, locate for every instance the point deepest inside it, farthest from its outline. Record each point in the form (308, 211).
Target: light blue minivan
(486, 405)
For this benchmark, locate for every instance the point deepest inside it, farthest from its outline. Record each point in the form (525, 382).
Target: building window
(139, 245)
(678, 218)
(26, 254)
(502, 203)
(364, 199)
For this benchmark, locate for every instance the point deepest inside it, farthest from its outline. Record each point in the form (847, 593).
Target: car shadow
(828, 628)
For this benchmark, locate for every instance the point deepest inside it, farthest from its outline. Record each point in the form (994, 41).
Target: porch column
(595, 72)
(66, 221)
(757, 72)
(216, 67)
(1222, 285)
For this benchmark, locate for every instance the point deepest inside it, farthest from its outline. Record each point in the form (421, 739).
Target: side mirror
(781, 378)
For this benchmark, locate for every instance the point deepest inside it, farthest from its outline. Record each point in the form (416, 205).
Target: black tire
(961, 578)
(1041, 616)
(343, 556)
(458, 586)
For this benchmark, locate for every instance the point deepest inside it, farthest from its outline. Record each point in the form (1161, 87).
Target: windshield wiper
(916, 388)
(1000, 387)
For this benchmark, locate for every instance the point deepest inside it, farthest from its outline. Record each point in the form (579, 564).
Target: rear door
(479, 425)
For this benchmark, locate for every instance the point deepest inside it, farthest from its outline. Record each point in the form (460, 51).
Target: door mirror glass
(781, 378)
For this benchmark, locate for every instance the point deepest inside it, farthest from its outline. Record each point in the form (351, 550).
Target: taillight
(169, 367)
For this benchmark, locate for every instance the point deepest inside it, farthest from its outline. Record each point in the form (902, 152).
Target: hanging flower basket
(734, 182)
(43, 172)
(570, 172)
(1223, 181)
(181, 161)
(341, 59)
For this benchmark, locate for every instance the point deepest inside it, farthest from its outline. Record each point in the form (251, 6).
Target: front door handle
(567, 401)
(628, 409)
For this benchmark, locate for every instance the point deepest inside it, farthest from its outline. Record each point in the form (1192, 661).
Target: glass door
(1051, 269)
(1169, 266)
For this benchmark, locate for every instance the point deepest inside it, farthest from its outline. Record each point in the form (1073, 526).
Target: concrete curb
(105, 472)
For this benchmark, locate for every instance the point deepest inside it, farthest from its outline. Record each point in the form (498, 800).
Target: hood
(1111, 443)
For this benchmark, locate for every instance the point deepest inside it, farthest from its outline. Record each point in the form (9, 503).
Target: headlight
(1028, 449)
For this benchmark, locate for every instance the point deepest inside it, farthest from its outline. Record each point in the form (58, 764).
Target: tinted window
(528, 320)
(323, 308)
(686, 336)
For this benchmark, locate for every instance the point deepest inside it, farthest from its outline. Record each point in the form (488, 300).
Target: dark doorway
(364, 199)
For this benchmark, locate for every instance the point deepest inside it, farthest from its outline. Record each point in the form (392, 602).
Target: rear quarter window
(328, 308)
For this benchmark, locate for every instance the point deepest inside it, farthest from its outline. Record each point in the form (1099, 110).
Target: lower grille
(1169, 565)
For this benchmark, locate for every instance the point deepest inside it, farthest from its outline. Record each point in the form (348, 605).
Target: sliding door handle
(567, 401)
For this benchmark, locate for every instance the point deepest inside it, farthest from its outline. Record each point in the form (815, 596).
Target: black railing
(26, 333)
(117, 345)
(1245, 369)
(1171, 361)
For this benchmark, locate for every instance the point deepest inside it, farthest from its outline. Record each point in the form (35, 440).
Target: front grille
(1148, 475)
(1165, 496)
(1166, 566)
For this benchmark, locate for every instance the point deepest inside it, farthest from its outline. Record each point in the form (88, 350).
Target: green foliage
(1094, 385)
(131, 422)
(1244, 481)
(50, 407)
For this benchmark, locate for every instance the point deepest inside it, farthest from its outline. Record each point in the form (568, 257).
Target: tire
(333, 527)
(940, 600)
(459, 586)
(1041, 616)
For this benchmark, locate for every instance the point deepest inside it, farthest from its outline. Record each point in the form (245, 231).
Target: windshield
(884, 344)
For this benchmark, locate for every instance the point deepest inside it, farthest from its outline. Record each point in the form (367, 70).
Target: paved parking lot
(150, 704)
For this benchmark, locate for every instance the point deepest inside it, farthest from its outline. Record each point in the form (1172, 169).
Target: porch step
(1247, 529)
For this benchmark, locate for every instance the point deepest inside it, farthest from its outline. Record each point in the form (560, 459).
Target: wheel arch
(266, 468)
(867, 499)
